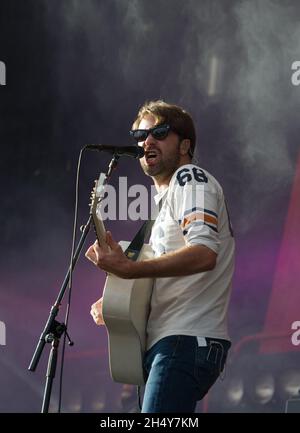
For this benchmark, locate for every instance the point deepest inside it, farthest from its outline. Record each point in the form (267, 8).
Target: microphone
(132, 151)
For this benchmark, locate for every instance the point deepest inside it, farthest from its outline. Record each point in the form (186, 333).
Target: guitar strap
(134, 248)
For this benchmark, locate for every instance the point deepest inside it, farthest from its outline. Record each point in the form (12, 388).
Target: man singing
(193, 264)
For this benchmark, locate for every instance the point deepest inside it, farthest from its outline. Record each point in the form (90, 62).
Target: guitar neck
(99, 230)
(97, 195)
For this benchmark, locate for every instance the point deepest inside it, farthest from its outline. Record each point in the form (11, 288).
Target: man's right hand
(96, 312)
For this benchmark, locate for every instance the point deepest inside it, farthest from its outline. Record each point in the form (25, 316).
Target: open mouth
(151, 156)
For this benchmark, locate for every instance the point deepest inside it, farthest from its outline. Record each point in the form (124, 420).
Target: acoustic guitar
(125, 307)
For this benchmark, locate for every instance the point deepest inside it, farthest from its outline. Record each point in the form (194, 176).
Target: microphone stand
(53, 329)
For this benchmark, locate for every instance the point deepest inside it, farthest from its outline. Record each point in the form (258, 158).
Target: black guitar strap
(134, 249)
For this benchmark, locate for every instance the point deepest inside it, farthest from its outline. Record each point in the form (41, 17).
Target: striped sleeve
(196, 211)
(198, 216)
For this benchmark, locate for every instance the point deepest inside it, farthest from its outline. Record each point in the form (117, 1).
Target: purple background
(76, 74)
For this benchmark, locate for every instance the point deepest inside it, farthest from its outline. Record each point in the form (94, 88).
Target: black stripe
(213, 228)
(194, 209)
(211, 212)
(185, 231)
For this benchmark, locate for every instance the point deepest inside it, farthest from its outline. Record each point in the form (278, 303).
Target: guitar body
(125, 309)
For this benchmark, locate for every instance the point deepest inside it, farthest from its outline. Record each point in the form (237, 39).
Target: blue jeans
(179, 372)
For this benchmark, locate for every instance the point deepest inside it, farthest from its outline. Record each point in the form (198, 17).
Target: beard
(165, 167)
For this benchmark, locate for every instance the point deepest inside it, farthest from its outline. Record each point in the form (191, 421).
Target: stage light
(264, 388)
(97, 399)
(98, 405)
(289, 383)
(235, 391)
(73, 401)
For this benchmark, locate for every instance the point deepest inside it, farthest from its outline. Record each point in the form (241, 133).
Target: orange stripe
(199, 216)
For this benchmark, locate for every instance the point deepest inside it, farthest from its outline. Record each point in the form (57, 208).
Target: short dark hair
(179, 120)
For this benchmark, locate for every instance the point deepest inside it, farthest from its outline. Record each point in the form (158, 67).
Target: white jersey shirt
(193, 212)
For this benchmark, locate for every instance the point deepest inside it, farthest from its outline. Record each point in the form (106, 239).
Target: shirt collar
(159, 196)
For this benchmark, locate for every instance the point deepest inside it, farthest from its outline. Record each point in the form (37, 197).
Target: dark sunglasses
(159, 132)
